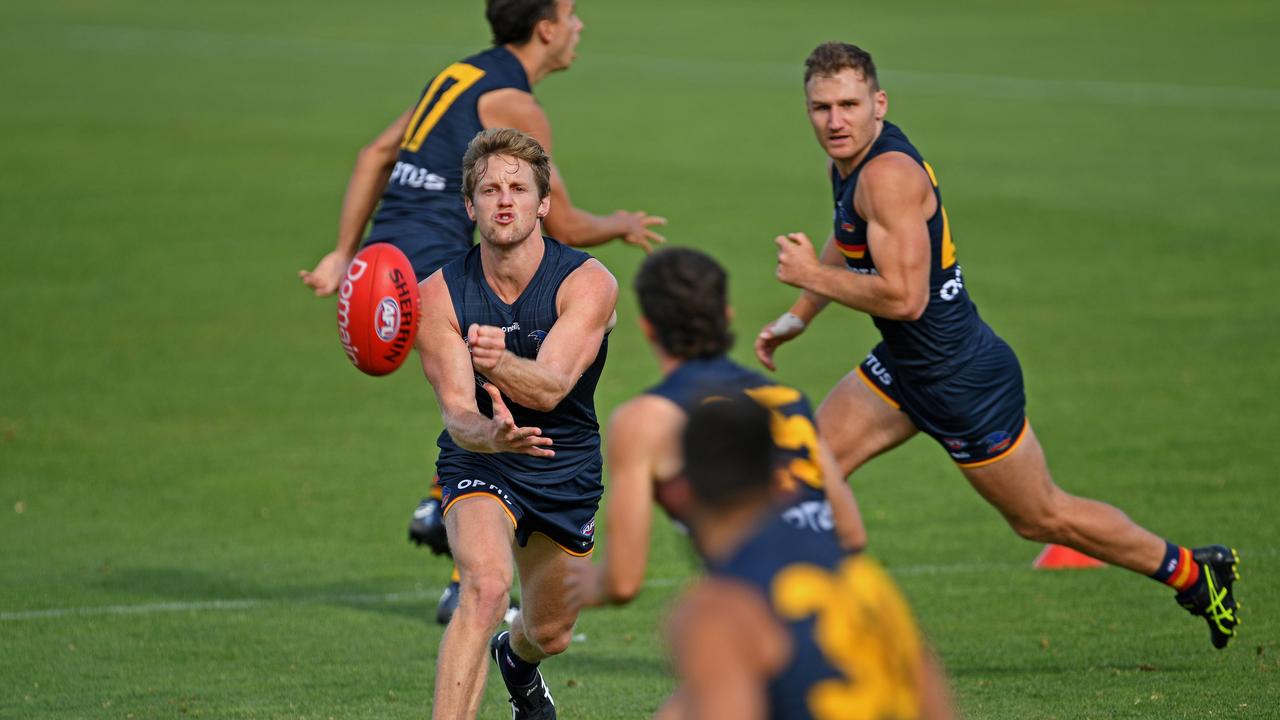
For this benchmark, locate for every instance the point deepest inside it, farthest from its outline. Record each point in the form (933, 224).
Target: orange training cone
(1058, 557)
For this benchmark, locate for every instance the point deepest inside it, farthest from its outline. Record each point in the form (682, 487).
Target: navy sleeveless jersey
(855, 647)
(950, 332)
(572, 424)
(795, 437)
(422, 211)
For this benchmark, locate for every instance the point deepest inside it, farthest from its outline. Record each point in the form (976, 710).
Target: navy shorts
(978, 414)
(564, 512)
(426, 254)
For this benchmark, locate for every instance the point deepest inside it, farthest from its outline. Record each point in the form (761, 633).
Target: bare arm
(723, 670)
(447, 365)
(794, 321)
(844, 508)
(935, 693)
(809, 304)
(585, 302)
(368, 180)
(895, 197)
(568, 224)
(642, 432)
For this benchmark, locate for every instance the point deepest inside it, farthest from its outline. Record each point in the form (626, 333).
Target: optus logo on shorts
(589, 529)
(386, 321)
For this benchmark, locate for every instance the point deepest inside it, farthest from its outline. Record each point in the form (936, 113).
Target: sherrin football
(378, 309)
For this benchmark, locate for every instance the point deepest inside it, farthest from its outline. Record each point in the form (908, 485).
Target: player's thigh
(858, 423)
(544, 567)
(1018, 484)
(480, 532)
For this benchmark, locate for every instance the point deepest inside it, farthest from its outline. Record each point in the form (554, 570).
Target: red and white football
(378, 309)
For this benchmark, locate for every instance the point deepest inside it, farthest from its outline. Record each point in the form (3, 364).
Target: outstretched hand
(326, 277)
(506, 436)
(637, 230)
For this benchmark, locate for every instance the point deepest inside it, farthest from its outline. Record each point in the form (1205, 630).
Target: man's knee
(485, 596)
(1046, 523)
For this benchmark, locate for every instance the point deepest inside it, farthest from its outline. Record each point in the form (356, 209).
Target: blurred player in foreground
(513, 338)
(786, 625)
(940, 368)
(683, 296)
(415, 168)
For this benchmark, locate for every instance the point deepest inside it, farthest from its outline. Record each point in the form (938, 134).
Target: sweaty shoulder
(645, 418)
(643, 412)
(647, 428)
(892, 177)
(437, 311)
(434, 294)
(590, 283)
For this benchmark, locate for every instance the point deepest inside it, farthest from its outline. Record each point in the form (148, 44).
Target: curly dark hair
(512, 21)
(684, 293)
(830, 58)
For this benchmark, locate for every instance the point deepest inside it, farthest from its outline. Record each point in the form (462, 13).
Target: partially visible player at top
(684, 307)
(513, 338)
(786, 625)
(940, 368)
(414, 168)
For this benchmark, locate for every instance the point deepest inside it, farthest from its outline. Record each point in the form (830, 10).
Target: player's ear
(544, 206)
(471, 209)
(545, 30)
(647, 329)
(728, 313)
(882, 104)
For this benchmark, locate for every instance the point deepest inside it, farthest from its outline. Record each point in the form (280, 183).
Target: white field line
(211, 605)
(380, 598)
(202, 43)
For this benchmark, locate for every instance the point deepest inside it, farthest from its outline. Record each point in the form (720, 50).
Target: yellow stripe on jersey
(852, 254)
(464, 76)
(948, 247)
(929, 169)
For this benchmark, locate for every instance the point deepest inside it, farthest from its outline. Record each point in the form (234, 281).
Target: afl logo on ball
(386, 321)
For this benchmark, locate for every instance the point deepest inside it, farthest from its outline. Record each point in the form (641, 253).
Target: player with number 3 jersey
(785, 626)
(683, 296)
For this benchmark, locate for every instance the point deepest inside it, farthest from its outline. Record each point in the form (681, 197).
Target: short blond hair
(510, 143)
(830, 58)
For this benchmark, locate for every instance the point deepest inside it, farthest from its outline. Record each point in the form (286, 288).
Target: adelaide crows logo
(843, 220)
(537, 336)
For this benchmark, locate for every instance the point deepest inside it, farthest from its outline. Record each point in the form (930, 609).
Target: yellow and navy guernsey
(795, 439)
(956, 379)
(855, 647)
(556, 496)
(422, 211)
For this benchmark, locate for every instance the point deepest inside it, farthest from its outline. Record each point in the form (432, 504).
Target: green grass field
(202, 505)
